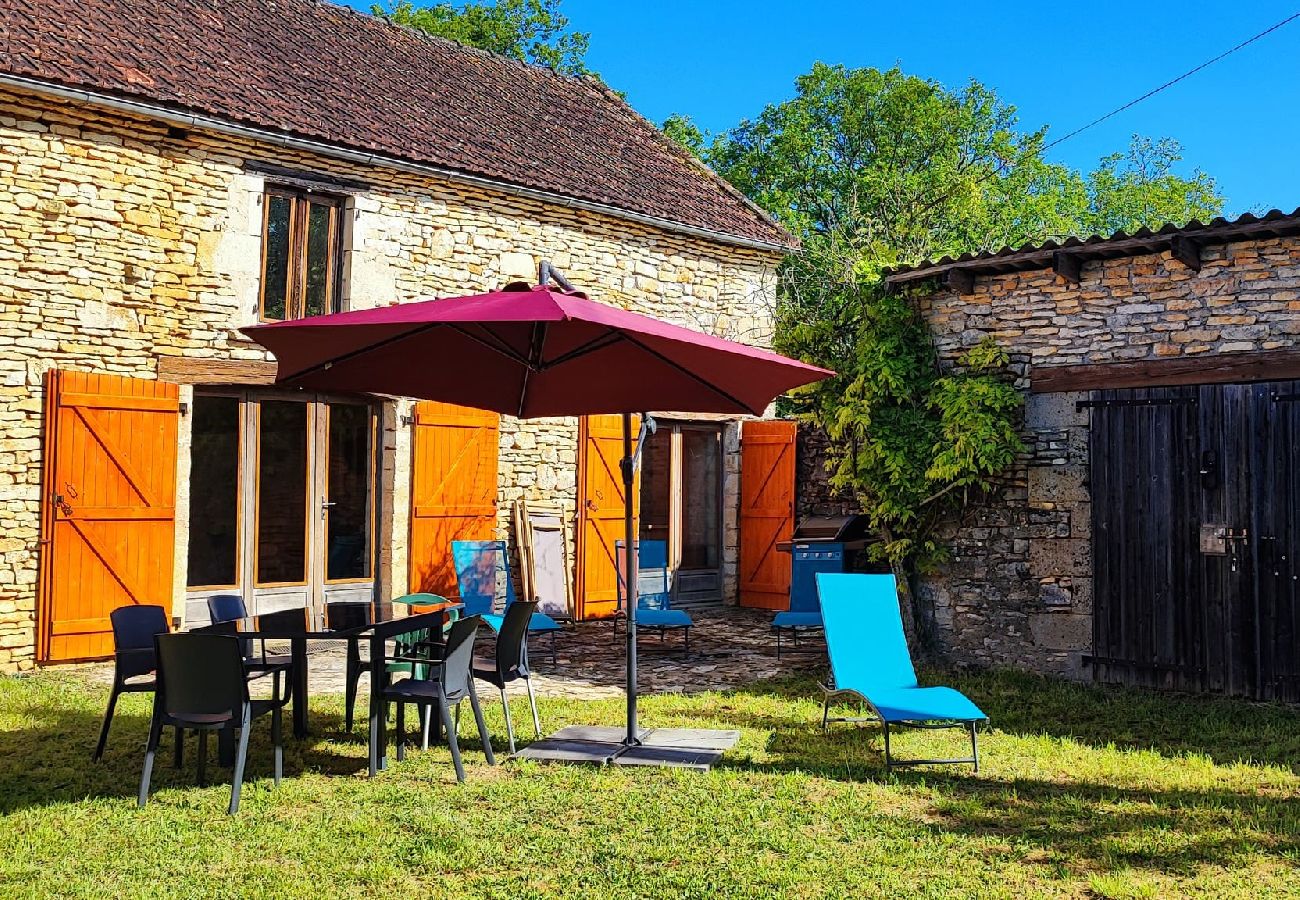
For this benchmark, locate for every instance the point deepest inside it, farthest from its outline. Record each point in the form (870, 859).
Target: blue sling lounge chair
(653, 596)
(483, 577)
(870, 660)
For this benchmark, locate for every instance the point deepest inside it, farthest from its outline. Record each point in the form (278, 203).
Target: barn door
(1150, 626)
(453, 489)
(601, 508)
(1275, 468)
(108, 523)
(1196, 529)
(767, 467)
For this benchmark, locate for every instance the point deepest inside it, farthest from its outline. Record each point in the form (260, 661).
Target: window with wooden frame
(301, 254)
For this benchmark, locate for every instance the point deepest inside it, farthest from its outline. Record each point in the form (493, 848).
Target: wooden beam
(960, 280)
(192, 370)
(1187, 251)
(1222, 368)
(1067, 265)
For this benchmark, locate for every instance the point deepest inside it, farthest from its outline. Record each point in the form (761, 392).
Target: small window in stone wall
(301, 254)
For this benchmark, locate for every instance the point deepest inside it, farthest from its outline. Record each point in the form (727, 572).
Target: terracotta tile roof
(1274, 223)
(315, 70)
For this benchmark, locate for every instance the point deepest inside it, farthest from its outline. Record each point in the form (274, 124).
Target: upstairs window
(301, 258)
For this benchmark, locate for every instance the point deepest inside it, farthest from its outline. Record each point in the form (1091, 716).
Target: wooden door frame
(677, 501)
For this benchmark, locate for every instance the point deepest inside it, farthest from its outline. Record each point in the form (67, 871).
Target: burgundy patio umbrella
(531, 352)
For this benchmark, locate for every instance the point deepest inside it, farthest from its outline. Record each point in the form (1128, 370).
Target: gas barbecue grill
(819, 544)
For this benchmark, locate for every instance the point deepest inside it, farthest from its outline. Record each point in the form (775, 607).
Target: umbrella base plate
(696, 749)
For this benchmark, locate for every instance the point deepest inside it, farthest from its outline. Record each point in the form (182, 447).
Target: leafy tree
(1138, 187)
(685, 132)
(532, 31)
(872, 169)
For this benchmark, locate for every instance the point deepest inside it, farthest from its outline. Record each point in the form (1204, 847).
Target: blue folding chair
(870, 660)
(653, 596)
(483, 579)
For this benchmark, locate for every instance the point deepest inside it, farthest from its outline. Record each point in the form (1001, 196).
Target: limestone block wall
(123, 241)
(1018, 590)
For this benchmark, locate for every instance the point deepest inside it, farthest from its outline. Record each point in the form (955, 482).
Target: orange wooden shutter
(600, 512)
(453, 489)
(108, 519)
(767, 466)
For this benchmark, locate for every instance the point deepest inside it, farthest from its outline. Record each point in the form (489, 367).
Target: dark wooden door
(1275, 470)
(1195, 507)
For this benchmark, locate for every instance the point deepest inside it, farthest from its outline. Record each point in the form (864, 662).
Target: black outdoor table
(386, 626)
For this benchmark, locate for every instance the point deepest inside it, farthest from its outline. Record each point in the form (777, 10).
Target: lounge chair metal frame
(851, 601)
(829, 694)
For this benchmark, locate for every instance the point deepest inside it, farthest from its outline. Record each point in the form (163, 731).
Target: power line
(1172, 81)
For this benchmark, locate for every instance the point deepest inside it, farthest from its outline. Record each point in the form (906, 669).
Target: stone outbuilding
(1151, 533)
(172, 172)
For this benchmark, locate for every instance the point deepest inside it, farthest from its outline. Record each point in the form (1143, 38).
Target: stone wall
(1018, 590)
(123, 241)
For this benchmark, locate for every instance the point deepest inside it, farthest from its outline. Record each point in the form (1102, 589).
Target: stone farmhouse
(1151, 533)
(172, 172)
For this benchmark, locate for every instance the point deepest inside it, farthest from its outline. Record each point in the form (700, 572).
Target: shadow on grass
(50, 762)
(1081, 823)
(1224, 730)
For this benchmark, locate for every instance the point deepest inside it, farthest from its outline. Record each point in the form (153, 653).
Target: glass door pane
(349, 482)
(701, 503)
(656, 485)
(214, 493)
(282, 492)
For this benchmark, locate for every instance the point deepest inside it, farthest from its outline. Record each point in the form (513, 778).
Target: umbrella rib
(506, 351)
(352, 354)
(596, 343)
(534, 363)
(688, 373)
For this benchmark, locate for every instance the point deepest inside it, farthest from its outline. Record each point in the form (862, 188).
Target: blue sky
(1239, 120)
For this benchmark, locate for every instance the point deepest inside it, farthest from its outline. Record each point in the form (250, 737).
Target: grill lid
(851, 531)
(831, 528)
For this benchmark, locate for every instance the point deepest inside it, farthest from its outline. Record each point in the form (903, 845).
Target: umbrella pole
(630, 588)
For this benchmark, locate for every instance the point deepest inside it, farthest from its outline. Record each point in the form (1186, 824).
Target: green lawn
(1084, 792)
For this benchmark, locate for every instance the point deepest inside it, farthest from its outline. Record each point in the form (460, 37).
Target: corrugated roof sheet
(320, 71)
(1118, 244)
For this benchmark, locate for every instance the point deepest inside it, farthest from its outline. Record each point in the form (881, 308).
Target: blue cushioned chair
(804, 614)
(870, 660)
(483, 578)
(653, 597)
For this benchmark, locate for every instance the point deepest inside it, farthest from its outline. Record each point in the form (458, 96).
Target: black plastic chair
(448, 683)
(202, 686)
(228, 609)
(511, 662)
(134, 660)
(342, 617)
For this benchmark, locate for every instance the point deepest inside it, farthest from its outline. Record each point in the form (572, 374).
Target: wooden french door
(454, 462)
(681, 504)
(767, 471)
(601, 510)
(108, 507)
(1196, 536)
(282, 500)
